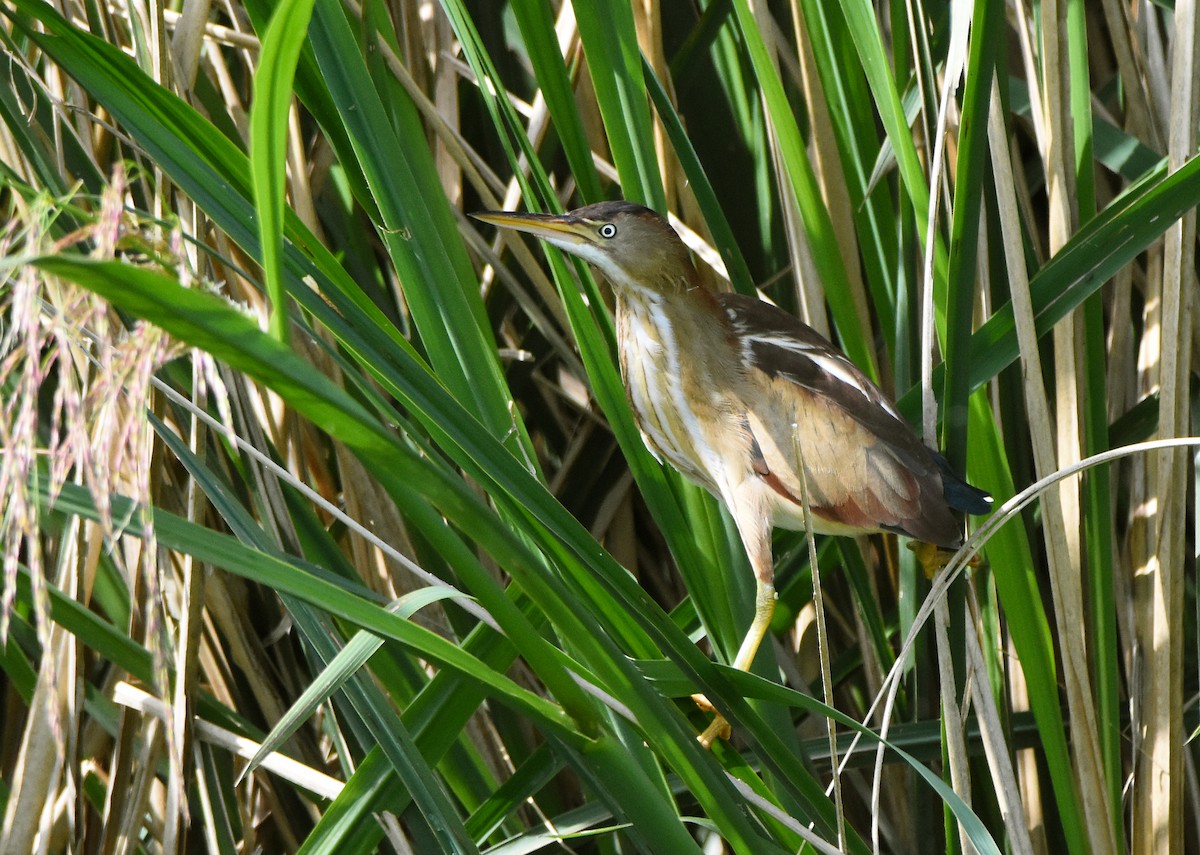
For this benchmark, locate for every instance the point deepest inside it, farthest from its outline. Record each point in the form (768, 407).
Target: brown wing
(867, 467)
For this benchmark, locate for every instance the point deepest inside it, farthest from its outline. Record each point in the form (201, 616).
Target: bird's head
(630, 244)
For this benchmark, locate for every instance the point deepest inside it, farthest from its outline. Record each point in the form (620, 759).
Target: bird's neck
(684, 300)
(673, 281)
(688, 319)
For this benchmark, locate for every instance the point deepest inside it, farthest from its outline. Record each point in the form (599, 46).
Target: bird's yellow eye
(608, 230)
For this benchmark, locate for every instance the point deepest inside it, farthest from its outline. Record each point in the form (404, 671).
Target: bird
(755, 406)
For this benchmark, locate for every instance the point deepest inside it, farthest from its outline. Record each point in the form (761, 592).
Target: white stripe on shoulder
(786, 343)
(831, 363)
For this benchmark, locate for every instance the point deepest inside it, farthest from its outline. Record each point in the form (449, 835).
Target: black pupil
(608, 230)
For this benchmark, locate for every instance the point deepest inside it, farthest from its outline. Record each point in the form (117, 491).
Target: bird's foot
(934, 558)
(718, 729)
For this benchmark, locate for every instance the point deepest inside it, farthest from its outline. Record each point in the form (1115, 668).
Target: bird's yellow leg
(764, 608)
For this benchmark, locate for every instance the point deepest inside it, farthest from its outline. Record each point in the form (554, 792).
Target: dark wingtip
(960, 495)
(963, 497)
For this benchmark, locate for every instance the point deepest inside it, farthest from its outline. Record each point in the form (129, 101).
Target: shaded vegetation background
(326, 526)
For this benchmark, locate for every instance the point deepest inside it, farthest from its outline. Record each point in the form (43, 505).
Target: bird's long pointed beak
(560, 229)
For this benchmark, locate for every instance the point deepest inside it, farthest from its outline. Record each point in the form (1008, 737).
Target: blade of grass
(268, 143)
(608, 36)
(1097, 501)
(554, 82)
(714, 216)
(853, 330)
(345, 663)
(417, 227)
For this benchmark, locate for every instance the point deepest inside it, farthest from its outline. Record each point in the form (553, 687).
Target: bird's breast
(682, 385)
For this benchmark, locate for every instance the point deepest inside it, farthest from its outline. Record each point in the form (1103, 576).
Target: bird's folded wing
(782, 347)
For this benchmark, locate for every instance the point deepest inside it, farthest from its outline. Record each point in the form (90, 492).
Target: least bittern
(753, 405)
